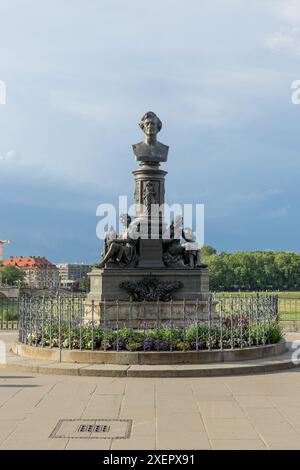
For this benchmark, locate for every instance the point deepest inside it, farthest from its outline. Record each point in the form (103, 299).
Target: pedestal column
(149, 197)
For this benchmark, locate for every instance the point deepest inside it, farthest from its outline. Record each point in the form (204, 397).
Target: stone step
(271, 364)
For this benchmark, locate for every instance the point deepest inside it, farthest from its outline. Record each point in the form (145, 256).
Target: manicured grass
(288, 295)
(281, 294)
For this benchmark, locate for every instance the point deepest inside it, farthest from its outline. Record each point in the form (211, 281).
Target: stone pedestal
(145, 175)
(108, 300)
(105, 283)
(149, 197)
(112, 314)
(151, 254)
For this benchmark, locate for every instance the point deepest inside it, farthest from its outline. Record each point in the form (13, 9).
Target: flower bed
(194, 337)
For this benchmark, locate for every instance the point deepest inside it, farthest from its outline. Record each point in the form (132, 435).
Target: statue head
(111, 233)
(150, 124)
(189, 234)
(125, 220)
(178, 221)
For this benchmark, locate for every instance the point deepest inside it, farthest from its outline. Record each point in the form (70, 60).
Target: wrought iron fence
(225, 323)
(288, 308)
(289, 314)
(9, 313)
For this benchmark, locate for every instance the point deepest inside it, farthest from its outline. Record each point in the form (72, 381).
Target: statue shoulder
(163, 151)
(144, 152)
(163, 147)
(137, 146)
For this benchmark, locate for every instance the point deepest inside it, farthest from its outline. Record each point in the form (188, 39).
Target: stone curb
(153, 372)
(151, 358)
(279, 363)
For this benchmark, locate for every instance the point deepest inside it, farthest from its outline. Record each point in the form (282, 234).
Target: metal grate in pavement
(92, 429)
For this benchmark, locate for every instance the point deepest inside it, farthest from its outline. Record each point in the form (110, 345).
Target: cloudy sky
(79, 75)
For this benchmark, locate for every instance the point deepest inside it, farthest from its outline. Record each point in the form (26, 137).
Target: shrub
(195, 336)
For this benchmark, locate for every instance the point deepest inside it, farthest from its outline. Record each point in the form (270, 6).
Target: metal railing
(9, 313)
(289, 314)
(288, 310)
(225, 323)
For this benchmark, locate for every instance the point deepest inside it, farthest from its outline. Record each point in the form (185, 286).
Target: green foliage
(84, 284)
(11, 275)
(208, 250)
(266, 333)
(9, 310)
(165, 338)
(254, 270)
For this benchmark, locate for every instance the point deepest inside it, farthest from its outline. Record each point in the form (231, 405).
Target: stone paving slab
(167, 413)
(257, 411)
(106, 370)
(238, 444)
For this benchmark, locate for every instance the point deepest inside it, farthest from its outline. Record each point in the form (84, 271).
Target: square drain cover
(92, 429)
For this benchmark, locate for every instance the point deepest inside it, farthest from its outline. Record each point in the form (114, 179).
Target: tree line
(246, 270)
(255, 270)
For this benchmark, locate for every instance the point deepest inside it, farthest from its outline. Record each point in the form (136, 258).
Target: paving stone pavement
(240, 412)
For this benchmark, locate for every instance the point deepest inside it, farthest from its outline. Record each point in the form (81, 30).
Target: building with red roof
(39, 272)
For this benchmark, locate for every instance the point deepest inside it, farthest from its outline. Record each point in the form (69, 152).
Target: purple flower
(162, 345)
(118, 345)
(201, 345)
(148, 344)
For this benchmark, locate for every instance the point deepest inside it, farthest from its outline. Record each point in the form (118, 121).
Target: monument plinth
(148, 261)
(149, 197)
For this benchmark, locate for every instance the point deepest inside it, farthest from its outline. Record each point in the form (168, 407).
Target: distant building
(39, 272)
(70, 273)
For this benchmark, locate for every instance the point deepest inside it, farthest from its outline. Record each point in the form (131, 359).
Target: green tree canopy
(11, 275)
(208, 250)
(84, 284)
(258, 270)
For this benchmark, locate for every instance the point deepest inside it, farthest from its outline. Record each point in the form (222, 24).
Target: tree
(257, 270)
(84, 284)
(218, 271)
(11, 275)
(208, 250)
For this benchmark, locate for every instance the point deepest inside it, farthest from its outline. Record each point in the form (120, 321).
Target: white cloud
(9, 156)
(289, 10)
(287, 38)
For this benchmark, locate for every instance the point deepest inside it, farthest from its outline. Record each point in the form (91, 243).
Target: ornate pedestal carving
(106, 283)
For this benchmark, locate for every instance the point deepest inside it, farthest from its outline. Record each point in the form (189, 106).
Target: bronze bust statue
(150, 151)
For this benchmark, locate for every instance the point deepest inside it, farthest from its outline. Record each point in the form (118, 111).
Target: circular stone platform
(246, 367)
(149, 358)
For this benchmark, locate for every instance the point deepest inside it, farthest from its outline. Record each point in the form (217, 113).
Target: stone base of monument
(105, 283)
(151, 314)
(108, 302)
(113, 360)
